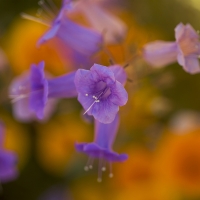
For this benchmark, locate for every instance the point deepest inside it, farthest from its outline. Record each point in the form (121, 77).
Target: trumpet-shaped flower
(101, 148)
(102, 20)
(8, 161)
(72, 35)
(100, 92)
(31, 93)
(186, 50)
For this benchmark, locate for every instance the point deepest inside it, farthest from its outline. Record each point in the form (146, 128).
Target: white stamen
(89, 107)
(46, 8)
(96, 101)
(110, 166)
(111, 175)
(17, 97)
(86, 95)
(94, 97)
(52, 5)
(34, 19)
(103, 169)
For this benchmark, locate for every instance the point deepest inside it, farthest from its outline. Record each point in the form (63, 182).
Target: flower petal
(119, 73)
(62, 87)
(189, 63)
(100, 72)
(73, 35)
(104, 111)
(118, 96)
(160, 53)
(185, 31)
(39, 90)
(83, 81)
(8, 169)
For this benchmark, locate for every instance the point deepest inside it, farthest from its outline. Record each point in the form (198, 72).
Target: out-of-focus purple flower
(185, 50)
(100, 92)
(101, 148)
(8, 161)
(101, 20)
(74, 36)
(31, 93)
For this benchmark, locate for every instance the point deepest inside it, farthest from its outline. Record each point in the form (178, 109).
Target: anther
(86, 95)
(103, 169)
(111, 175)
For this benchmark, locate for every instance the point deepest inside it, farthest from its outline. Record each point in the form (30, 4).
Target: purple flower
(100, 92)
(8, 161)
(31, 93)
(72, 35)
(185, 50)
(101, 148)
(101, 20)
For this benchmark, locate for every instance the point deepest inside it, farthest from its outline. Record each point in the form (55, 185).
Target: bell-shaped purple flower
(34, 95)
(100, 92)
(72, 35)
(186, 50)
(101, 148)
(8, 161)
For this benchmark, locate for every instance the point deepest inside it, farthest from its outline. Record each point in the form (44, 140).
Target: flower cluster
(98, 87)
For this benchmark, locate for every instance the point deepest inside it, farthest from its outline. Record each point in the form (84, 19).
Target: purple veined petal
(102, 73)
(104, 112)
(119, 95)
(119, 73)
(83, 81)
(160, 53)
(189, 63)
(39, 90)
(101, 20)
(74, 36)
(62, 87)
(8, 169)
